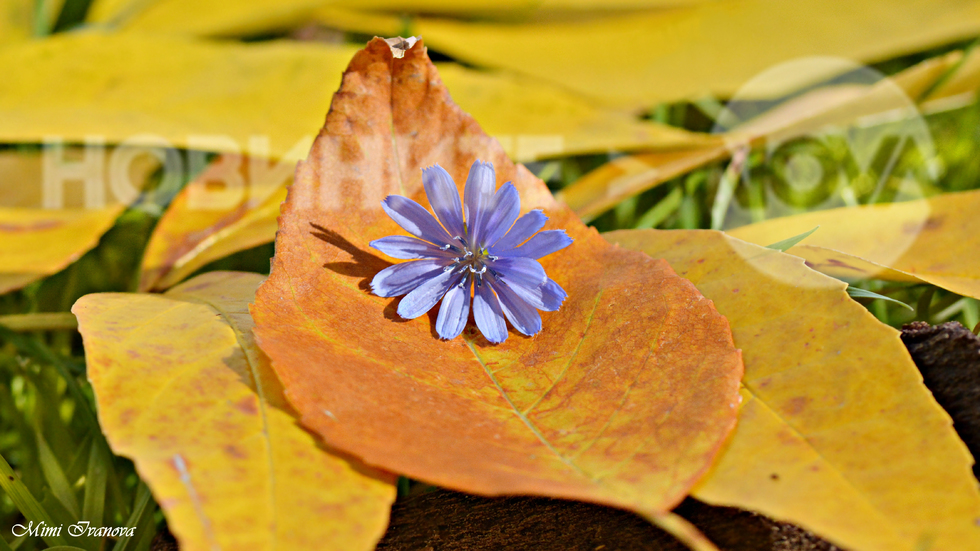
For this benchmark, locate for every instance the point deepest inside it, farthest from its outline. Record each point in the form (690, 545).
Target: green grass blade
(93, 504)
(42, 16)
(726, 189)
(79, 463)
(145, 532)
(626, 212)
(25, 501)
(4, 546)
(55, 476)
(667, 206)
(141, 511)
(713, 109)
(924, 304)
(856, 292)
(40, 321)
(787, 244)
(31, 347)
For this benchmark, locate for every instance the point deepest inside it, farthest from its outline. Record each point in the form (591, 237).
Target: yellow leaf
(561, 414)
(141, 85)
(203, 224)
(933, 239)
(836, 433)
(640, 59)
(219, 18)
(256, 99)
(183, 391)
(36, 241)
(510, 7)
(236, 18)
(534, 120)
(848, 267)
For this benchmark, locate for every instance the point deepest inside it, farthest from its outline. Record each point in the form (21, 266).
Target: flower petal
(478, 197)
(488, 315)
(522, 315)
(542, 244)
(425, 296)
(525, 227)
(519, 270)
(504, 211)
(444, 198)
(455, 310)
(405, 277)
(547, 297)
(404, 247)
(415, 219)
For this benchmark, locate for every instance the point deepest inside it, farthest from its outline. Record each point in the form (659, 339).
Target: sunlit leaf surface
(934, 240)
(147, 90)
(183, 391)
(640, 59)
(231, 17)
(154, 90)
(836, 433)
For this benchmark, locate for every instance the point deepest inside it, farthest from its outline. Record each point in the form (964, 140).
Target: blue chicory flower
(489, 256)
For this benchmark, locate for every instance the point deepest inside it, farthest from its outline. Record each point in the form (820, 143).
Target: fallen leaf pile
(279, 411)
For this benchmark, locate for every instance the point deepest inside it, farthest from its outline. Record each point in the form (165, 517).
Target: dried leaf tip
(400, 45)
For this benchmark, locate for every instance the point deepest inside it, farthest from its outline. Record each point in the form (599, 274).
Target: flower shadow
(363, 265)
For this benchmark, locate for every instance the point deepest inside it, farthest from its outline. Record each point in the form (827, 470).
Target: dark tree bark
(948, 356)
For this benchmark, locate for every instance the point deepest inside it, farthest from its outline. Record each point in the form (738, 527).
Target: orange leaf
(183, 391)
(203, 224)
(837, 433)
(624, 397)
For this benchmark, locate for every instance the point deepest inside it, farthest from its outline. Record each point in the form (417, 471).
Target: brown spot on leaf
(235, 451)
(40, 225)
(840, 264)
(248, 405)
(795, 406)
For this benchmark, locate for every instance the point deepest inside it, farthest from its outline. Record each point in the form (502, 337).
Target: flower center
(470, 260)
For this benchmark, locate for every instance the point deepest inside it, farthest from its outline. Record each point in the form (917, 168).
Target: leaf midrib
(253, 371)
